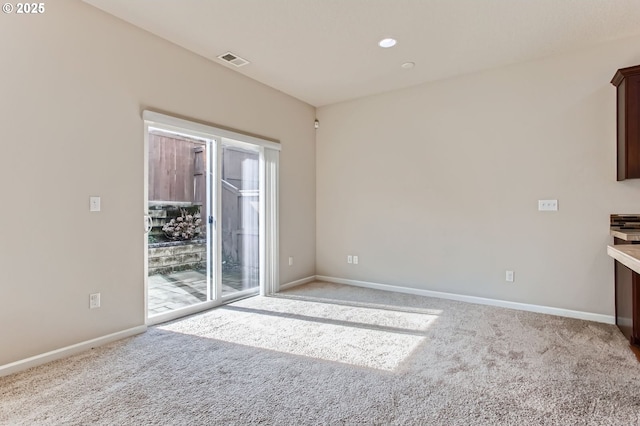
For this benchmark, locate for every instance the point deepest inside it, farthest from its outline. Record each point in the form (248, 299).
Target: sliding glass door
(240, 224)
(180, 239)
(206, 214)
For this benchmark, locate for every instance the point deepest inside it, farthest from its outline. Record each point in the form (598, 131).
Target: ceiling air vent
(233, 59)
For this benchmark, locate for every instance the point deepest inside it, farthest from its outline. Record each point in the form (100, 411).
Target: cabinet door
(632, 126)
(624, 300)
(635, 296)
(627, 82)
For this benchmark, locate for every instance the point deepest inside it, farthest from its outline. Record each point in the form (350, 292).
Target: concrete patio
(168, 292)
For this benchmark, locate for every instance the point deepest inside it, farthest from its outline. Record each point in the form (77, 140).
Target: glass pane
(240, 220)
(178, 246)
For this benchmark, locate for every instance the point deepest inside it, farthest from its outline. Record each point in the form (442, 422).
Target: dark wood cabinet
(627, 296)
(627, 82)
(628, 303)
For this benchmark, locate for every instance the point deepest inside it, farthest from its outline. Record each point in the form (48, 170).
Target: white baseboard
(33, 361)
(297, 282)
(589, 316)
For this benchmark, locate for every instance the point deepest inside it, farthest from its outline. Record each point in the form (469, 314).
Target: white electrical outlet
(349, 259)
(355, 260)
(94, 300)
(548, 205)
(290, 260)
(509, 276)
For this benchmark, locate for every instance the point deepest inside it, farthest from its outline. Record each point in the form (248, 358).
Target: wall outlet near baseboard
(548, 205)
(355, 260)
(94, 300)
(509, 276)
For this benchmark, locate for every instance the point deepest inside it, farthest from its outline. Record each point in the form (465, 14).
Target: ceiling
(326, 51)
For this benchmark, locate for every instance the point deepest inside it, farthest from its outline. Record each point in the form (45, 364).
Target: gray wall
(435, 187)
(75, 81)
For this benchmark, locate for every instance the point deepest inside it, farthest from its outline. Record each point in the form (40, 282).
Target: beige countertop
(627, 254)
(626, 234)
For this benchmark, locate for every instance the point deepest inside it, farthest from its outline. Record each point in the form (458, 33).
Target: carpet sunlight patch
(361, 336)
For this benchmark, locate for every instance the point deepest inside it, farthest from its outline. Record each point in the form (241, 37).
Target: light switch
(94, 204)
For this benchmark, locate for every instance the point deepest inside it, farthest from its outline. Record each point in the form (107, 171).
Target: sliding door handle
(148, 223)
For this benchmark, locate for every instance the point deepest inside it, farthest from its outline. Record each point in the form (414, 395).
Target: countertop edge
(626, 259)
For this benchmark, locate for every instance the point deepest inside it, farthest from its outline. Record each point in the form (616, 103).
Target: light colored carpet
(331, 354)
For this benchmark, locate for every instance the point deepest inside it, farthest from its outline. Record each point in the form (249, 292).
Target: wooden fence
(176, 169)
(177, 178)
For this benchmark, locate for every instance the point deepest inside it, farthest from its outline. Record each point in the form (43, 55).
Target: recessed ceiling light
(387, 42)
(408, 65)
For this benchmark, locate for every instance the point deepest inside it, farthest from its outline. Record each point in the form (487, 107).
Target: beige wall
(436, 187)
(74, 82)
